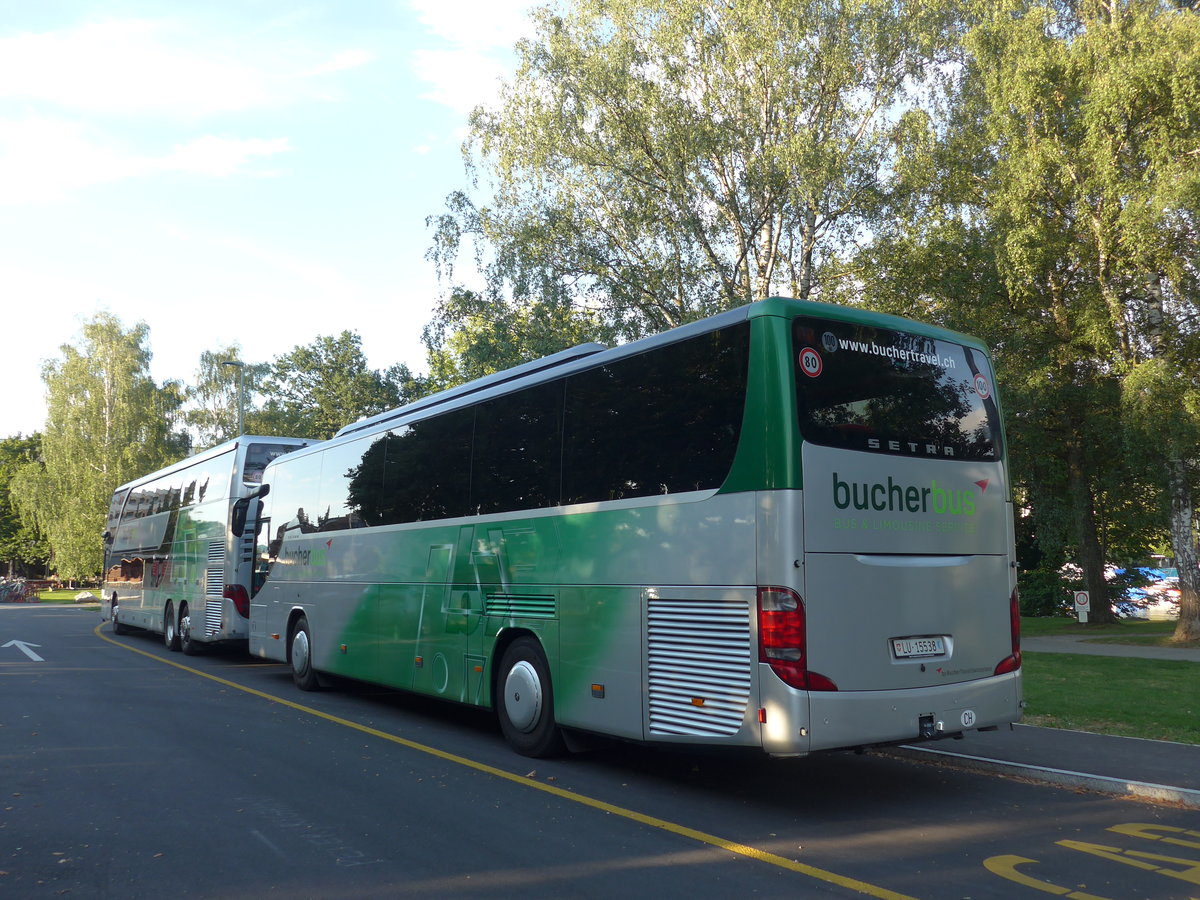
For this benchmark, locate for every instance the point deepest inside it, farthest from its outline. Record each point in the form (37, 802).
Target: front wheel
(300, 656)
(118, 628)
(525, 700)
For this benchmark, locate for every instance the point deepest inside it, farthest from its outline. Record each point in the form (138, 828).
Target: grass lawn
(1157, 699)
(66, 596)
(1146, 698)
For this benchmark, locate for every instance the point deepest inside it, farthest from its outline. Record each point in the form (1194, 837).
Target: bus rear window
(872, 389)
(257, 458)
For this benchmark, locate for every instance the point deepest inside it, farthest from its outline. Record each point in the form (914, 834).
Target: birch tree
(654, 162)
(107, 423)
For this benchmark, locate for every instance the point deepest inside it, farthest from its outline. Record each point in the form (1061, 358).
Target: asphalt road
(128, 772)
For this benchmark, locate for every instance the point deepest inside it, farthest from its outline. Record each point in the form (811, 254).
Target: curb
(1101, 784)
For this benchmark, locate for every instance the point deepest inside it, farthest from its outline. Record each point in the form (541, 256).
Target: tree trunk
(1183, 544)
(1091, 553)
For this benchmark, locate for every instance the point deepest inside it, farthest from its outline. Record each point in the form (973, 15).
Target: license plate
(906, 648)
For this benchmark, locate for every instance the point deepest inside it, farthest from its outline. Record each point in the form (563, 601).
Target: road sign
(1083, 603)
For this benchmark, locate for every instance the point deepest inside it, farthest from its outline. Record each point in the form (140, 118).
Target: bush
(1044, 593)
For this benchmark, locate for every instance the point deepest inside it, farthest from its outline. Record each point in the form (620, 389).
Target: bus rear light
(782, 639)
(240, 597)
(1012, 662)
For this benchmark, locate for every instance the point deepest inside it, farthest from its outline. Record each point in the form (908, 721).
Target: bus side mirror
(242, 505)
(108, 537)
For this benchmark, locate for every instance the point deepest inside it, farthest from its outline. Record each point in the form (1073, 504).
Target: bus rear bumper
(839, 720)
(860, 718)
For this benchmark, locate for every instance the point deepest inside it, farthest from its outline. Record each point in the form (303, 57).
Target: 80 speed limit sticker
(810, 362)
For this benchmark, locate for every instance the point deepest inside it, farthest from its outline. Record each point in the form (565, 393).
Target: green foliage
(491, 335)
(652, 163)
(107, 422)
(22, 549)
(213, 399)
(1044, 592)
(316, 389)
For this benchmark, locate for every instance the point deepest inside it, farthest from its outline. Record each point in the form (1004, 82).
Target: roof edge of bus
(561, 359)
(215, 450)
(579, 351)
(788, 307)
(785, 307)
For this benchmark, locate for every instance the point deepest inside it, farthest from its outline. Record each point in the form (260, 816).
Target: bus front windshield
(865, 388)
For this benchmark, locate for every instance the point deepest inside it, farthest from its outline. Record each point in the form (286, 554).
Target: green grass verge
(66, 597)
(1144, 698)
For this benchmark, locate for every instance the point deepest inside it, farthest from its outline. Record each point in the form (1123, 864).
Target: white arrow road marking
(24, 646)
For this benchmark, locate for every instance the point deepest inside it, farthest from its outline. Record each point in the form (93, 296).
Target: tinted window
(341, 503)
(662, 422)
(518, 450)
(427, 469)
(885, 391)
(257, 457)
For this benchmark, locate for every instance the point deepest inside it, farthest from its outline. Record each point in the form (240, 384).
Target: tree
(22, 549)
(213, 416)
(497, 333)
(107, 423)
(656, 162)
(315, 390)
(1093, 114)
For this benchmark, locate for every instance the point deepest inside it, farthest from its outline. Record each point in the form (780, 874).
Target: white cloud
(165, 68)
(467, 73)
(129, 67)
(219, 157)
(347, 59)
(43, 160)
(481, 26)
(461, 79)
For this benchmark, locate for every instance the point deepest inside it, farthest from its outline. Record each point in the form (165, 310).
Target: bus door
(449, 644)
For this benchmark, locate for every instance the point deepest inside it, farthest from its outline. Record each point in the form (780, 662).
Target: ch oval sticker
(967, 718)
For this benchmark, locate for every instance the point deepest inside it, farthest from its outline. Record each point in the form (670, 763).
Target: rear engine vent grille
(698, 666)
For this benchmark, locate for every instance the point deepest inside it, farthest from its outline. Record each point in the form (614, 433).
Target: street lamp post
(241, 367)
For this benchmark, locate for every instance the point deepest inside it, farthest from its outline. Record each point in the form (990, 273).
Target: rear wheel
(118, 628)
(300, 656)
(170, 628)
(525, 700)
(186, 643)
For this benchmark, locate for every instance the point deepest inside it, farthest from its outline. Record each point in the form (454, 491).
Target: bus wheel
(170, 628)
(118, 628)
(300, 656)
(526, 700)
(186, 644)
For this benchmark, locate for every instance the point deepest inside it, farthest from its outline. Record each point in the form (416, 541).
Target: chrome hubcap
(300, 652)
(523, 696)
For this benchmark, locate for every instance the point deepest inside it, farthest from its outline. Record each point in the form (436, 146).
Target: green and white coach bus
(787, 526)
(178, 558)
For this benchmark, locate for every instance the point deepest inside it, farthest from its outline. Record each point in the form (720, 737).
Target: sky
(250, 172)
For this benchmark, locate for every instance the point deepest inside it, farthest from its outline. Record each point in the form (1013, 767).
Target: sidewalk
(1088, 645)
(1121, 766)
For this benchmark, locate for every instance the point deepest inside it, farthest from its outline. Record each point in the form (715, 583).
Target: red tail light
(240, 597)
(1013, 662)
(782, 639)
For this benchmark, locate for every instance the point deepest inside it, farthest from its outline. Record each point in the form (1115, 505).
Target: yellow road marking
(652, 821)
